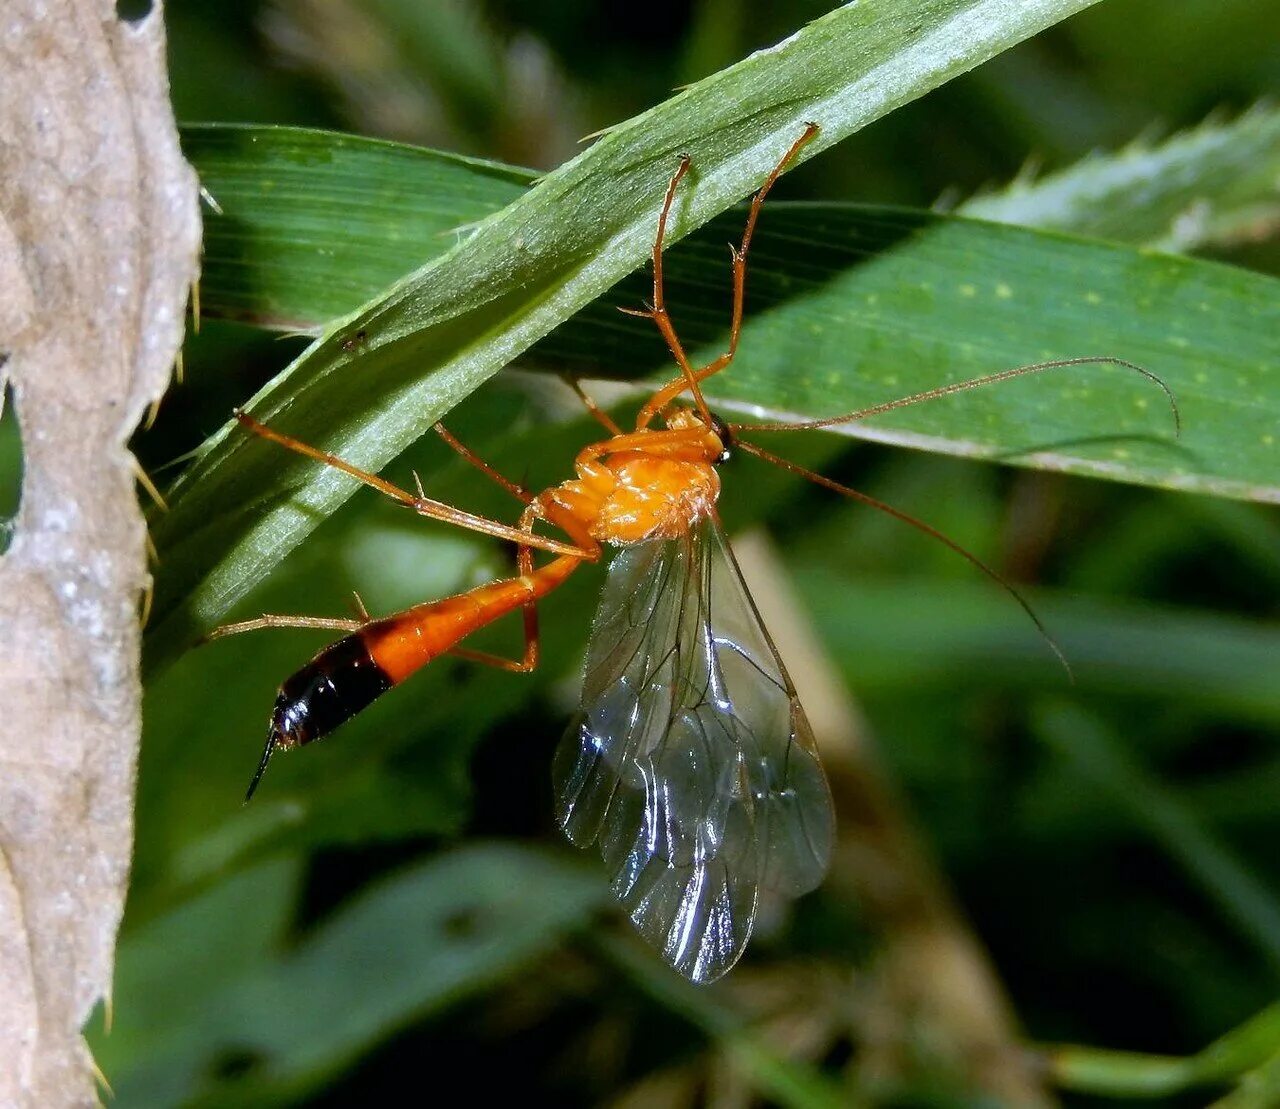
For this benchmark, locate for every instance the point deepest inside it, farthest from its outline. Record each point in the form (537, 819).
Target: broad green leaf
(1100, 755)
(168, 970)
(874, 303)
(898, 636)
(405, 948)
(311, 224)
(1211, 186)
(378, 380)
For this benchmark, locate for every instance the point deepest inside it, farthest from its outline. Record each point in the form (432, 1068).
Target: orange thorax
(643, 496)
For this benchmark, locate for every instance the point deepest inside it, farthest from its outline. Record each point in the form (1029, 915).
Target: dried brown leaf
(99, 237)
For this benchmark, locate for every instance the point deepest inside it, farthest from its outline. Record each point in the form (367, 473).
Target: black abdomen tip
(326, 693)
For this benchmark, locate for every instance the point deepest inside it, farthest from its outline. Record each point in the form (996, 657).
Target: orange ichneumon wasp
(690, 763)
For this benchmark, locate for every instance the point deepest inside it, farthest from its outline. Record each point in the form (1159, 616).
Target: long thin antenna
(919, 525)
(973, 383)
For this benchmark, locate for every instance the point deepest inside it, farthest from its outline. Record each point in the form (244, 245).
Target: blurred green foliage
(396, 906)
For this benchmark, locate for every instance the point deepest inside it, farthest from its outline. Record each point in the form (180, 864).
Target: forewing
(793, 813)
(690, 763)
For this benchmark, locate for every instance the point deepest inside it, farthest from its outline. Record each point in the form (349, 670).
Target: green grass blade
(853, 305)
(376, 382)
(1252, 1045)
(1211, 186)
(1094, 751)
(1243, 1048)
(1259, 1089)
(408, 946)
(312, 224)
(893, 636)
(1118, 1073)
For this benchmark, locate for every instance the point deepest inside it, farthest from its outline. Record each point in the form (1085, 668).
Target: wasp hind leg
(421, 504)
(273, 620)
(528, 662)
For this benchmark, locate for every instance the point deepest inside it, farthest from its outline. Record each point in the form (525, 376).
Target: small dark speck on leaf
(235, 1063)
(461, 925)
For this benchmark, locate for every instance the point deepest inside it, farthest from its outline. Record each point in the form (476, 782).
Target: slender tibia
(529, 612)
(324, 623)
(972, 383)
(657, 311)
(468, 455)
(498, 662)
(598, 414)
(268, 620)
(424, 506)
(738, 255)
(919, 525)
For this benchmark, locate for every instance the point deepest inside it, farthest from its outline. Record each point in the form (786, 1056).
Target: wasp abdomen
(334, 686)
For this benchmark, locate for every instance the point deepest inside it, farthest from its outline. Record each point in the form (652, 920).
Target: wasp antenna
(267, 752)
(919, 525)
(597, 413)
(974, 383)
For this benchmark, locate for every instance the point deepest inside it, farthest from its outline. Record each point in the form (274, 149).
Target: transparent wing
(691, 762)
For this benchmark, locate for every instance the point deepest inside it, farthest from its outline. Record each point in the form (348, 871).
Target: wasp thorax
(719, 439)
(653, 497)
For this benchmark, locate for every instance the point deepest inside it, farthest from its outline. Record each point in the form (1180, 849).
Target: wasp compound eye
(725, 434)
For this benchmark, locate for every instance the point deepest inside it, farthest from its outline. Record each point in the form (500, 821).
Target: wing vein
(691, 764)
